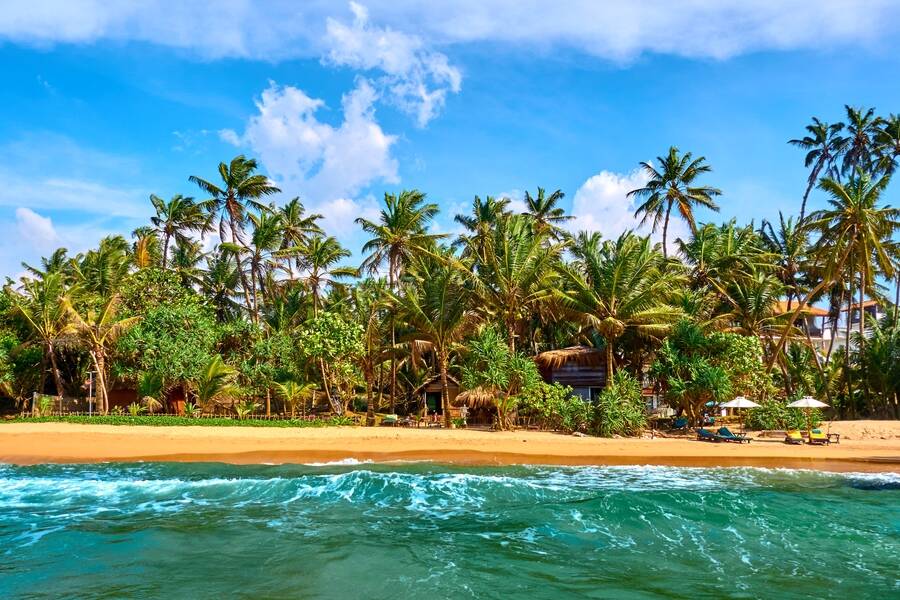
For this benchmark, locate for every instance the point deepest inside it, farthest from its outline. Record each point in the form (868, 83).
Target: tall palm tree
(858, 149)
(371, 308)
(822, 145)
(400, 233)
(788, 246)
(101, 271)
(516, 273)
(319, 260)
(434, 306)
(99, 329)
(186, 257)
(220, 283)
(241, 188)
(887, 144)
(620, 287)
(177, 218)
(297, 228)
(42, 306)
(58, 262)
(260, 252)
(547, 215)
(484, 217)
(670, 185)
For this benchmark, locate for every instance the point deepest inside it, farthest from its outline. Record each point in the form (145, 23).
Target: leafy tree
(556, 407)
(621, 409)
(331, 342)
(43, 308)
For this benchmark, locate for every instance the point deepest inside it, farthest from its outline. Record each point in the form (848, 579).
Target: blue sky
(340, 102)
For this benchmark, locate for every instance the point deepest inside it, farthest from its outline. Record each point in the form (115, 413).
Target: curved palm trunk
(57, 376)
(165, 255)
(370, 405)
(336, 407)
(609, 363)
(666, 231)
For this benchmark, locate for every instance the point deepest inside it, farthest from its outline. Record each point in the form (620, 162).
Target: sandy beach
(865, 445)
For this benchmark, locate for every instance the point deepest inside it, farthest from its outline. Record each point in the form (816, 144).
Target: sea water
(169, 530)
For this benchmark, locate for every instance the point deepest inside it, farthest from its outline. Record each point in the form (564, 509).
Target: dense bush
(620, 408)
(775, 414)
(556, 407)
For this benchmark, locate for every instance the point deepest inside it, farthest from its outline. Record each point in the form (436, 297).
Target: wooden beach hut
(429, 395)
(580, 367)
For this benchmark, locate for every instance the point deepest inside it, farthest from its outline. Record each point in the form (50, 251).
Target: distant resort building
(828, 331)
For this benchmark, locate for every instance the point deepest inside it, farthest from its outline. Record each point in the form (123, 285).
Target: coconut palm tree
(822, 145)
(788, 246)
(43, 308)
(622, 286)
(220, 283)
(261, 255)
(399, 234)
(371, 309)
(434, 306)
(484, 217)
(887, 144)
(297, 227)
(101, 271)
(671, 184)
(177, 218)
(293, 393)
(319, 262)
(547, 215)
(215, 384)
(58, 262)
(98, 330)
(858, 148)
(186, 257)
(516, 273)
(240, 189)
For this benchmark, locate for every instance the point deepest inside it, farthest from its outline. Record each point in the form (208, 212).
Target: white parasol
(740, 402)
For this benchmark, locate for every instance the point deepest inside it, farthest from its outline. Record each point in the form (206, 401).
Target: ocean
(423, 530)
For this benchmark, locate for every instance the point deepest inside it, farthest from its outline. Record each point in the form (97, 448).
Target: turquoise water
(169, 530)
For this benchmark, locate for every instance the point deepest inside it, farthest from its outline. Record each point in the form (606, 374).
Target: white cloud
(324, 164)
(35, 230)
(602, 204)
(417, 79)
(280, 29)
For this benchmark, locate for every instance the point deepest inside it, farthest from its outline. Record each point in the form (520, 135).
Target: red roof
(782, 308)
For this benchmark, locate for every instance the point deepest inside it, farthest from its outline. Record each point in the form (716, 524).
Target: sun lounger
(680, 423)
(817, 436)
(706, 435)
(793, 437)
(390, 420)
(726, 435)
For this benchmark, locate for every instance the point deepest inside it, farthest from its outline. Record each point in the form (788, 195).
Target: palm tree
(435, 308)
(220, 282)
(262, 254)
(186, 257)
(58, 262)
(145, 250)
(400, 233)
(546, 214)
(620, 287)
(822, 147)
(319, 258)
(292, 393)
(101, 271)
(297, 228)
(788, 247)
(43, 308)
(479, 224)
(240, 189)
(887, 144)
(215, 384)
(671, 185)
(516, 273)
(858, 148)
(99, 329)
(177, 218)
(371, 306)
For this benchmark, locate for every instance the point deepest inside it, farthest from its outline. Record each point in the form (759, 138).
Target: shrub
(557, 407)
(135, 409)
(775, 414)
(620, 408)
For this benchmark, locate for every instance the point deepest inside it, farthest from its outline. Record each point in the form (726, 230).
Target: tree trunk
(445, 390)
(370, 400)
(337, 408)
(57, 376)
(666, 231)
(269, 402)
(165, 250)
(609, 363)
(392, 265)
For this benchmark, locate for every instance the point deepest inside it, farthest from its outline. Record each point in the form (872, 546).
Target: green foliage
(620, 408)
(150, 288)
(330, 337)
(191, 410)
(245, 408)
(775, 414)
(173, 341)
(493, 367)
(741, 356)
(135, 409)
(556, 407)
(215, 384)
(44, 405)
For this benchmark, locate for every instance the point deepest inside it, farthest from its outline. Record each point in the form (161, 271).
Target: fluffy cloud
(417, 79)
(37, 231)
(322, 163)
(279, 29)
(602, 204)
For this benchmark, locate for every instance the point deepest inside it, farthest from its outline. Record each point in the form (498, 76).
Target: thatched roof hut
(475, 398)
(581, 367)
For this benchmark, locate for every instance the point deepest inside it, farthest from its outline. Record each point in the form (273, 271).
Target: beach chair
(728, 436)
(705, 435)
(817, 437)
(390, 420)
(793, 436)
(680, 423)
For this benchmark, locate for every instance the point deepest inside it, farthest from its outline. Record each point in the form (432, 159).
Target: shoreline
(39, 443)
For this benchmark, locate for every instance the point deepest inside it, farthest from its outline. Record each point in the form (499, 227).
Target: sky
(103, 103)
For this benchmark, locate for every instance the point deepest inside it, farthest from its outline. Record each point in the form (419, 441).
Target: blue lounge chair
(706, 435)
(728, 436)
(680, 423)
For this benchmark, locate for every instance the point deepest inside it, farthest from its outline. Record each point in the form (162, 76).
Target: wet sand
(874, 449)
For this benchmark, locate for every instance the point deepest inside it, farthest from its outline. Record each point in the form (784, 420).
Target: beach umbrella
(807, 403)
(740, 402)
